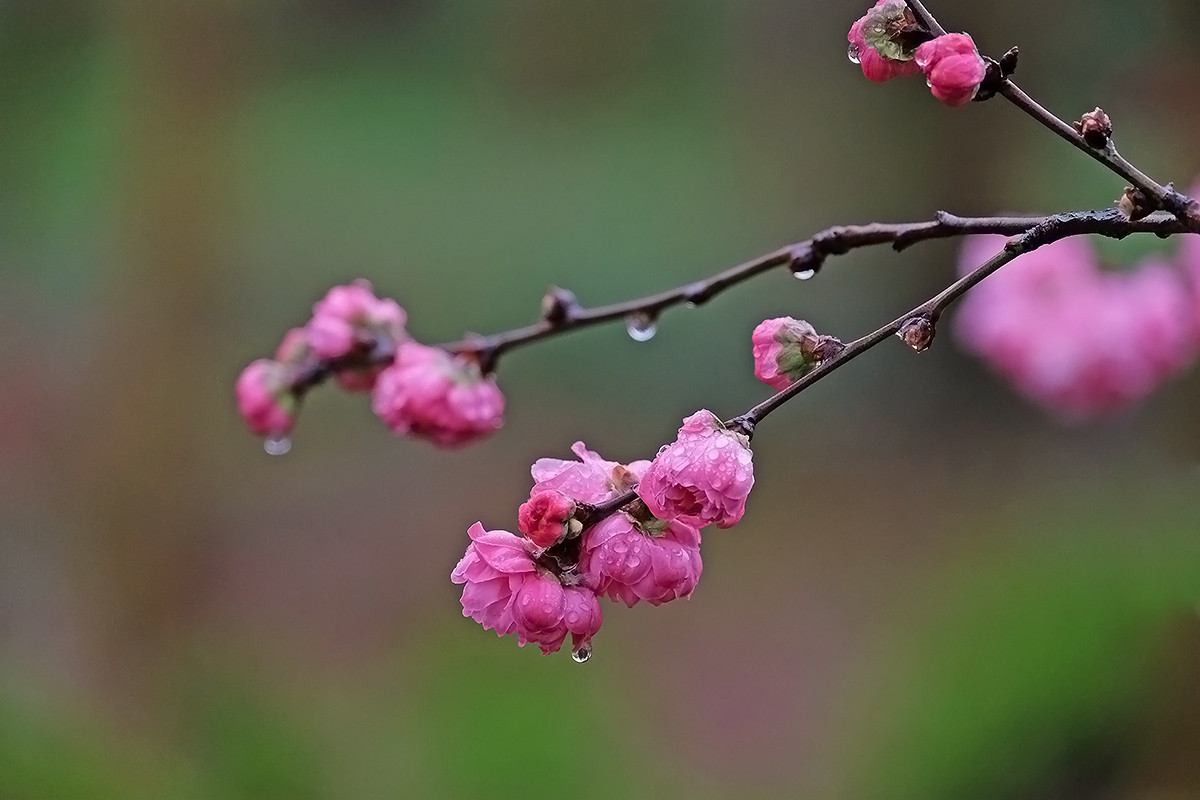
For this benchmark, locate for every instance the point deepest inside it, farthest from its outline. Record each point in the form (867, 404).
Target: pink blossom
(703, 477)
(265, 399)
(591, 479)
(1077, 340)
(352, 317)
(505, 591)
(294, 348)
(545, 612)
(784, 351)
(872, 45)
(1189, 255)
(543, 518)
(495, 567)
(434, 395)
(953, 66)
(621, 562)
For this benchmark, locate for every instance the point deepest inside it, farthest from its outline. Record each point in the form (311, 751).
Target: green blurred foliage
(936, 592)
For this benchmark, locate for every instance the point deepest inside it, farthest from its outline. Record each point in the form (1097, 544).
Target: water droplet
(582, 654)
(641, 326)
(804, 274)
(852, 53)
(277, 445)
(634, 562)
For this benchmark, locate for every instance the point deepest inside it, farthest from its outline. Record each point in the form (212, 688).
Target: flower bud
(1096, 128)
(953, 67)
(917, 333)
(882, 41)
(544, 517)
(352, 321)
(265, 398)
(787, 349)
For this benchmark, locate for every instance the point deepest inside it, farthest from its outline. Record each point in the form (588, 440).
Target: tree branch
(1157, 195)
(1107, 222)
(805, 256)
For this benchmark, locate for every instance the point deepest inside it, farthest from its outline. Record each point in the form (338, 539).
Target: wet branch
(924, 317)
(805, 256)
(1156, 196)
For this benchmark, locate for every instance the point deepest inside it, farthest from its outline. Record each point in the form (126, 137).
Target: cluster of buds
(545, 583)
(360, 340)
(1077, 339)
(888, 42)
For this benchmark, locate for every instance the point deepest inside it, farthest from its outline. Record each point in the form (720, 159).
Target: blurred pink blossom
(351, 320)
(431, 394)
(1077, 340)
(265, 399)
(703, 477)
(351, 316)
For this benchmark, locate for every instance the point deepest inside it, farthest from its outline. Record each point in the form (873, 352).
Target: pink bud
(294, 347)
(544, 516)
(953, 67)
(265, 398)
(703, 477)
(434, 395)
(875, 42)
(352, 317)
(785, 349)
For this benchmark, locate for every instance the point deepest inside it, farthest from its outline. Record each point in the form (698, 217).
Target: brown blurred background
(936, 592)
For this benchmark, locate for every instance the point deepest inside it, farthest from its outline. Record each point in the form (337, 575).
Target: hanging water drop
(277, 445)
(804, 274)
(852, 53)
(582, 654)
(641, 326)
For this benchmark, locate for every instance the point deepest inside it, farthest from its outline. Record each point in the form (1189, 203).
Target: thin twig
(1159, 196)
(1108, 222)
(807, 255)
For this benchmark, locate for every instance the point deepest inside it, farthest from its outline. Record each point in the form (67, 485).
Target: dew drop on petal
(852, 53)
(804, 274)
(277, 445)
(641, 326)
(582, 654)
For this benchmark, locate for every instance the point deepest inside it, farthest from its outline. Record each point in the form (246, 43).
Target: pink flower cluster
(882, 44)
(1078, 340)
(545, 585)
(360, 340)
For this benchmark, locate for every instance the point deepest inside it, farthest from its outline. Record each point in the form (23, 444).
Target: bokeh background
(937, 592)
